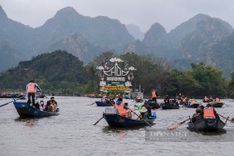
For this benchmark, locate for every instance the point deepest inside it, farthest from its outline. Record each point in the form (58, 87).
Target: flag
(167, 67)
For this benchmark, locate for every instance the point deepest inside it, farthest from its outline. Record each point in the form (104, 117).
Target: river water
(73, 133)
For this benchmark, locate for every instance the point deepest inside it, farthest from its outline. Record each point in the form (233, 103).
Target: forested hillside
(62, 73)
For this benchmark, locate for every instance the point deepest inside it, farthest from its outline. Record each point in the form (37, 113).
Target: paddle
(6, 103)
(140, 117)
(91, 104)
(98, 120)
(227, 118)
(176, 125)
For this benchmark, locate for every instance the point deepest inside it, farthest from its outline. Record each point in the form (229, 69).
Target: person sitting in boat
(103, 99)
(43, 105)
(209, 112)
(112, 100)
(198, 115)
(179, 97)
(119, 105)
(167, 99)
(193, 101)
(144, 113)
(217, 100)
(147, 106)
(185, 100)
(206, 99)
(128, 111)
(136, 114)
(211, 99)
(36, 104)
(138, 99)
(51, 105)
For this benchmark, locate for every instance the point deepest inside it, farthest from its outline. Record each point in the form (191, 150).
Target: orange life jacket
(208, 112)
(31, 88)
(193, 102)
(121, 110)
(154, 95)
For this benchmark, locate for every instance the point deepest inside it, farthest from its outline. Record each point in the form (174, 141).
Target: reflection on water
(30, 122)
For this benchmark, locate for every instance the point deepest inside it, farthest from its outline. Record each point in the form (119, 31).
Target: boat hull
(207, 125)
(192, 106)
(25, 110)
(103, 104)
(169, 106)
(216, 104)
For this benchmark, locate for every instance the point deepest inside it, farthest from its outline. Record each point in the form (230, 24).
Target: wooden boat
(153, 105)
(115, 120)
(139, 100)
(191, 105)
(170, 105)
(12, 96)
(216, 104)
(207, 125)
(103, 104)
(25, 110)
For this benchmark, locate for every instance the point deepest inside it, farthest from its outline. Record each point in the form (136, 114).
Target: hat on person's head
(143, 109)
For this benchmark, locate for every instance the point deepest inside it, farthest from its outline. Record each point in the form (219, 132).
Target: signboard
(115, 76)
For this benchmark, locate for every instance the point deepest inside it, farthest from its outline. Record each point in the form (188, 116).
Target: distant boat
(153, 105)
(189, 105)
(170, 105)
(103, 104)
(12, 96)
(25, 110)
(115, 120)
(216, 104)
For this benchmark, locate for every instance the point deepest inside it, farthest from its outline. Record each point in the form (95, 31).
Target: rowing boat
(26, 110)
(207, 125)
(115, 120)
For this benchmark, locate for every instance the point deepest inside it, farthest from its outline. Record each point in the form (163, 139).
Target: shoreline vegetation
(61, 73)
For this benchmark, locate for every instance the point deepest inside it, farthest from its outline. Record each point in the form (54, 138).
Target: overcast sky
(144, 13)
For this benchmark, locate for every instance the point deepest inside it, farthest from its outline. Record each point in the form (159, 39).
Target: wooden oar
(227, 118)
(6, 103)
(140, 117)
(176, 125)
(98, 120)
(91, 104)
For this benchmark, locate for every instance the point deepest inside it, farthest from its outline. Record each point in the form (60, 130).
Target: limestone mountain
(156, 40)
(7, 51)
(196, 46)
(190, 42)
(199, 39)
(58, 69)
(100, 32)
(135, 31)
